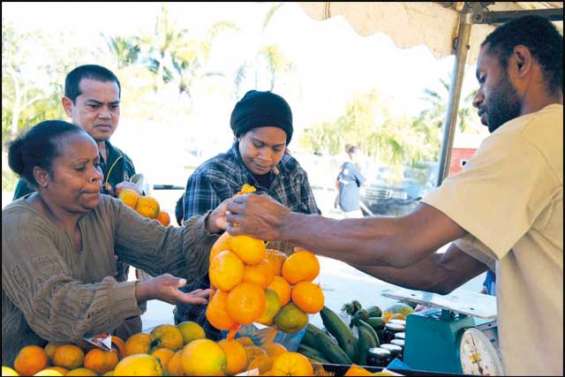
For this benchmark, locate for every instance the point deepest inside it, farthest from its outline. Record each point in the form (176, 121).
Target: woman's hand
(217, 219)
(166, 288)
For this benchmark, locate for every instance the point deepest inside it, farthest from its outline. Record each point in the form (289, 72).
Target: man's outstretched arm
(374, 241)
(439, 272)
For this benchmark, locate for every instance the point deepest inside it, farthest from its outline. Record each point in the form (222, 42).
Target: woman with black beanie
(262, 125)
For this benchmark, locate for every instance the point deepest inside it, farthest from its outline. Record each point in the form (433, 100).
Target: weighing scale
(457, 334)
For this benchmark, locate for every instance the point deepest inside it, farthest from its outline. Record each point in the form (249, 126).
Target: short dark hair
(350, 149)
(88, 71)
(38, 147)
(540, 36)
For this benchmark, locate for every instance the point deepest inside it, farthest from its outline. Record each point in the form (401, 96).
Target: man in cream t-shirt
(521, 207)
(505, 208)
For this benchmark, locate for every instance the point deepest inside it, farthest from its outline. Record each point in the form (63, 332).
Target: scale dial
(478, 355)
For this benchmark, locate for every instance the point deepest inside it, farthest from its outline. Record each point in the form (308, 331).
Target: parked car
(380, 197)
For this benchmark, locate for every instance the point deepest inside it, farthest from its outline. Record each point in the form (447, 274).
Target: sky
(332, 62)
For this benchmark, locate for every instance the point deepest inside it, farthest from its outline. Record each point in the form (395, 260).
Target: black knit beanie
(261, 109)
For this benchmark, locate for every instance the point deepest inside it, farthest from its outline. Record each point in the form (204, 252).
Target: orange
(174, 366)
(262, 362)
(190, 331)
(129, 197)
(167, 336)
(164, 355)
(221, 244)
(308, 297)
(253, 352)
(272, 307)
(282, 288)
(290, 318)
(119, 345)
(164, 218)
(30, 360)
(300, 266)
(7, 371)
(148, 206)
(226, 270)
(68, 356)
(50, 349)
(260, 273)
(203, 357)
(249, 250)
(138, 343)
(81, 372)
(217, 313)
(236, 356)
(245, 341)
(356, 370)
(246, 188)
(292, 364)
(276, 259)
(319, 369)
(246, 303)
(51, 371)
(274, 349)
(139, 365)
(61, 370)
(101, 361)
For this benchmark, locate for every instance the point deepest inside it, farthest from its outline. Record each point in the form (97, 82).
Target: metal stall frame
(473, 13)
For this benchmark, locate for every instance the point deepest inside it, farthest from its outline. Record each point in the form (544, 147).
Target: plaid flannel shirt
(220, 178)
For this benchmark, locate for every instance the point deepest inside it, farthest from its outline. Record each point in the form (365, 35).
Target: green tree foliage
(34, 65)
(394, 141)
(29, 88)
(173, 55)
(268, 66)
(366, 123)
(438, 101)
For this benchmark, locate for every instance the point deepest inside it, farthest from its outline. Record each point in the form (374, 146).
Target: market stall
(264, 300)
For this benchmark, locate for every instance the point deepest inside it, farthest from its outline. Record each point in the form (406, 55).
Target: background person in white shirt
(504, 208)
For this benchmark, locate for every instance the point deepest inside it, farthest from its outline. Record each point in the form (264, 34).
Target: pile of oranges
(145, 205)
(181, 350)
(256, 284)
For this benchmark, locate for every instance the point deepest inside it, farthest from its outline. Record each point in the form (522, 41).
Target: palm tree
(438, 100)
(125, 49)
(173, 56)
(269, 57)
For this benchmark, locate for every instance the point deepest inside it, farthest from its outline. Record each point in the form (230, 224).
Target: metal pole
(450, 121)
(499, 17)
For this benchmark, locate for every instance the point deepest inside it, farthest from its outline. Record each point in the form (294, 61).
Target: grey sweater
(52, 293)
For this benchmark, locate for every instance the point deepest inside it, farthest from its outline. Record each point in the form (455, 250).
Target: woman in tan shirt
(58, 245)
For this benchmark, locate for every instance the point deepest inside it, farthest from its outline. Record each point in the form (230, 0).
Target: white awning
(409, 24)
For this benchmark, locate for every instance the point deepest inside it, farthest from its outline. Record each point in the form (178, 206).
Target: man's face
(496, 100)
(96, 109)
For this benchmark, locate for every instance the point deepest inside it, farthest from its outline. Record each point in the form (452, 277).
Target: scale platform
(464, 302)
(434, 335)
